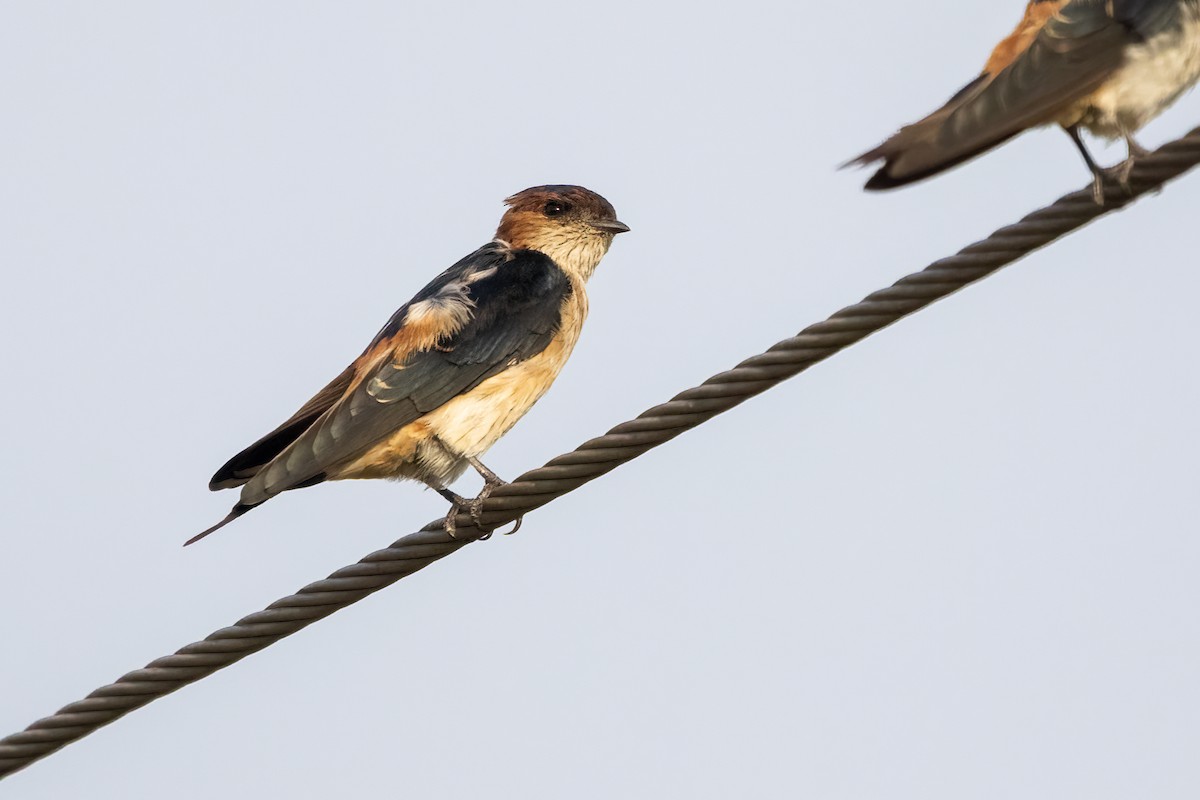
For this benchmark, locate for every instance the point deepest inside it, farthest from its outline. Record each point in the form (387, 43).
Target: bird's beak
(610, 226)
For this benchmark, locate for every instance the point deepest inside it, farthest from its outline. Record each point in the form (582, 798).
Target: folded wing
(494, 309)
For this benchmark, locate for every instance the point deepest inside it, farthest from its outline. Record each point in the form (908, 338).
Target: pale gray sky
(985, 586)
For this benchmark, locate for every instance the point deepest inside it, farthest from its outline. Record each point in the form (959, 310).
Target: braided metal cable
(590, 460)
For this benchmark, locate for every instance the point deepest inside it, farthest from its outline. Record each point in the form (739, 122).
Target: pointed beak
(610, 226)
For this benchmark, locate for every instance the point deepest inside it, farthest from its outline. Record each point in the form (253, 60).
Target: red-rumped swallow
(453, 370)
(1107, 66)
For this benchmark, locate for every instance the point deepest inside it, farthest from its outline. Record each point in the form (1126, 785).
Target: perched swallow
(453, 370)
(1107, 66)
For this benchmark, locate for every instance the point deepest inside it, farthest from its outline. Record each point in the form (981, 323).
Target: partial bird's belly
(1153, 77)
(471, 423)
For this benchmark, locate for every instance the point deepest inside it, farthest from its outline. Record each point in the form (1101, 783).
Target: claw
(1098, 188)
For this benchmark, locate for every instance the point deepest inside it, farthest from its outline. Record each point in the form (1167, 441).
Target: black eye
(556, 208)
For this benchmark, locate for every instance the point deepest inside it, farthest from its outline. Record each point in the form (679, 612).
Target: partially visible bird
(1105, 66)
(453, 370)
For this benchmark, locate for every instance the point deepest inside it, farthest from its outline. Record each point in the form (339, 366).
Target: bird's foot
(474, 508)
(1118, 174)
(1100, 175)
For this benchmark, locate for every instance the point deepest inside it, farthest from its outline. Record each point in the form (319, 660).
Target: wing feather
(247, 463)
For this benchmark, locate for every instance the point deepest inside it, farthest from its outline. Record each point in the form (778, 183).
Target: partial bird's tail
(237, 511)
(958, 131)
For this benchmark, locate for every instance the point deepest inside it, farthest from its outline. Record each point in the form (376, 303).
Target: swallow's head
(572, 225)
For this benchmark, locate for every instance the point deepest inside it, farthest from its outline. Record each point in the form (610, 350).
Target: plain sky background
(958, 560)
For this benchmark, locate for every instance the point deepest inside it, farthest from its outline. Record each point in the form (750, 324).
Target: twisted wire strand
(590, 460)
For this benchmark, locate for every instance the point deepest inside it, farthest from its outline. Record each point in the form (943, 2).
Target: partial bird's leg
(489, 478)
(1098, 173)
(491, 482)
(1122, 171)
(1135, 149)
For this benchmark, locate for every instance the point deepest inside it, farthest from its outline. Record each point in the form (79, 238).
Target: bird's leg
(491, 482)
(489, 478)
(1098, 174)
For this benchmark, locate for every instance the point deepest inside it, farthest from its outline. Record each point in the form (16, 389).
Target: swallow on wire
(453, 370)
(1104, 66)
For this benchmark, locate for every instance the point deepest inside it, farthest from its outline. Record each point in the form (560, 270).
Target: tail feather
(927, 147)
(238, 510)
(246, 464)
(916, 153)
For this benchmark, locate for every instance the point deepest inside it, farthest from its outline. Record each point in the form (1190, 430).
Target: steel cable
(590, 460)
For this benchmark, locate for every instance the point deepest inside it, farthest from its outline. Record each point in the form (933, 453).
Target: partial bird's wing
(246, 464)
(1073, 53)
(494, 309)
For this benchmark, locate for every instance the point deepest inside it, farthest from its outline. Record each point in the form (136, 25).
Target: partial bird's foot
(459, 504)
(1118, 173)
(491, 482)
(1121, 172)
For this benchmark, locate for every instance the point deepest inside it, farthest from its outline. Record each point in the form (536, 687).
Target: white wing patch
(447, 312)
(450, 309)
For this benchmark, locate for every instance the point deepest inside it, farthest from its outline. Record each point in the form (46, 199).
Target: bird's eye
(556, 208)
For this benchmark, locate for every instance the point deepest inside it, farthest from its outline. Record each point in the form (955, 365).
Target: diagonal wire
(590, 460)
